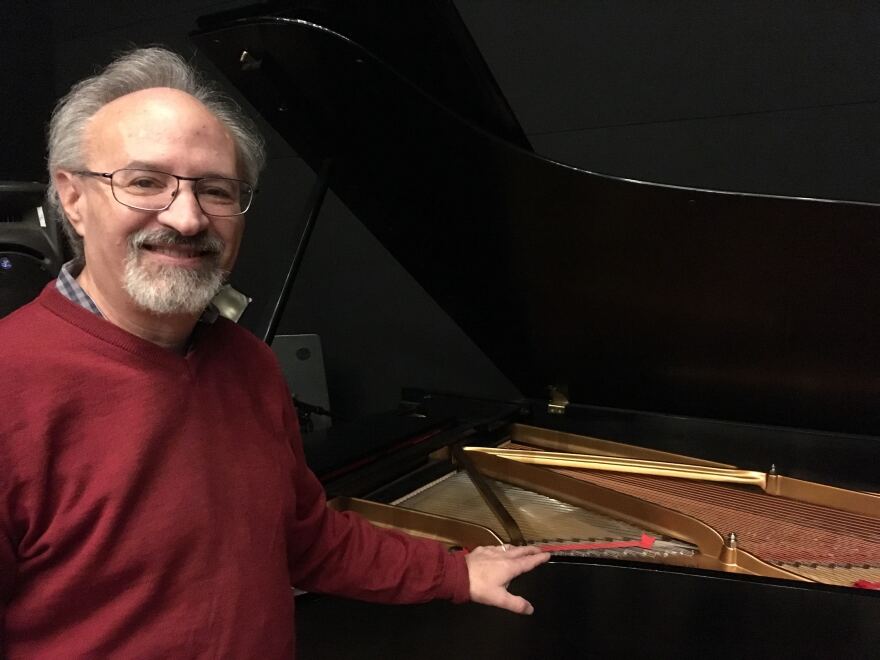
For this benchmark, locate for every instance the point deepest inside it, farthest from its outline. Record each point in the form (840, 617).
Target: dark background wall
(27, 89)
(778, 98)
(755, 96)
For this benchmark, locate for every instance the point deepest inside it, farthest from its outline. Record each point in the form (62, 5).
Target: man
(154, 499)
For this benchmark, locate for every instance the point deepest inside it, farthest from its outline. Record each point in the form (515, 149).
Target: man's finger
(516, 604)
(524, 564)
(514, 551)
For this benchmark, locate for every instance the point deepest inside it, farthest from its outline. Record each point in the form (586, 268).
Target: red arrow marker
(866, 584)
(645, 543)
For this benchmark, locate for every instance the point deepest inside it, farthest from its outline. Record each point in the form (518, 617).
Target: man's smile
(166, 246)
(179, 254)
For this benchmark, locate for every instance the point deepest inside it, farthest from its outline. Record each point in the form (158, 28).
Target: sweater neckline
(111, 334)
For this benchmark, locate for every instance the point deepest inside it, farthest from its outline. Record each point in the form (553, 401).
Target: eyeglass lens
(154, 191)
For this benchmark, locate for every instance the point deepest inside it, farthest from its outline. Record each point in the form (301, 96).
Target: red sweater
(156, 505)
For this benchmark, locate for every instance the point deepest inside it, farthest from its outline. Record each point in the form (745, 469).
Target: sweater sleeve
(343, 554)
(7, 576)
(8, 568)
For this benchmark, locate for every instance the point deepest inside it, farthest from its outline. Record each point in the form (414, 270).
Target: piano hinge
(558, 401)
(248, 61)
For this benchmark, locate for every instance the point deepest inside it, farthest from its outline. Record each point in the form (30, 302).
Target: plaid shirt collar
(69, 288)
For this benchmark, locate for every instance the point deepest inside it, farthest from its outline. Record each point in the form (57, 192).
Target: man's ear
(70, 194)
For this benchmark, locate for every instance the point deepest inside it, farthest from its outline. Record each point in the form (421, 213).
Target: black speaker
(30, 244)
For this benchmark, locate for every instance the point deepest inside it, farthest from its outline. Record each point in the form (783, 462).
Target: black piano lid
(426, 40)
(624, 294)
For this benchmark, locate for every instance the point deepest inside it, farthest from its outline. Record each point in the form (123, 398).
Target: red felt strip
(645, 543)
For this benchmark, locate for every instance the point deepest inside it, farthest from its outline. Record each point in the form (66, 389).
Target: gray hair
(144, 68)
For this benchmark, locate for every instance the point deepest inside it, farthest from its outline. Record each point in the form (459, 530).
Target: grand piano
(698, 432)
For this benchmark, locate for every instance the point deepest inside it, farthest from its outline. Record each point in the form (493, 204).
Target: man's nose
(184, 215)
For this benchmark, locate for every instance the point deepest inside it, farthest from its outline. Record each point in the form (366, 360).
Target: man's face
(169, 261)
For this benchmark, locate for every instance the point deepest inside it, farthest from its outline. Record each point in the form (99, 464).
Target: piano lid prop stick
(645, 543)
(313, 208)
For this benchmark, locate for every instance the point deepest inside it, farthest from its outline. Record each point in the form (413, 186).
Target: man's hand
(491, 568)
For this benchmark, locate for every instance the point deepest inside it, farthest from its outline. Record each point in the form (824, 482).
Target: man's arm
(343, 554)
(7, 573)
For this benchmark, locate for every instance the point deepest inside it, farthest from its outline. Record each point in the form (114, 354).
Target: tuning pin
(728, 552)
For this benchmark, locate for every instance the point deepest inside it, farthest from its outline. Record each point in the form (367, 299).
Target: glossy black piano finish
(625, 295)
(426, 40)
(607, 610)
(733, 327)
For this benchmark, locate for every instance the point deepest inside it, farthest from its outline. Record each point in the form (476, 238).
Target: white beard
(166, 289)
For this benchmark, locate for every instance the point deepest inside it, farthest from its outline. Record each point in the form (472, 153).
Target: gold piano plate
(449, 531)
(533, 437)
(550, 487)
(813, 531)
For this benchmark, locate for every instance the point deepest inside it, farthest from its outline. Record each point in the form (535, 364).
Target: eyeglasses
(150, 190)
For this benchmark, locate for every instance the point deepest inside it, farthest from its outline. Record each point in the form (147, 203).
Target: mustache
(166, 237)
